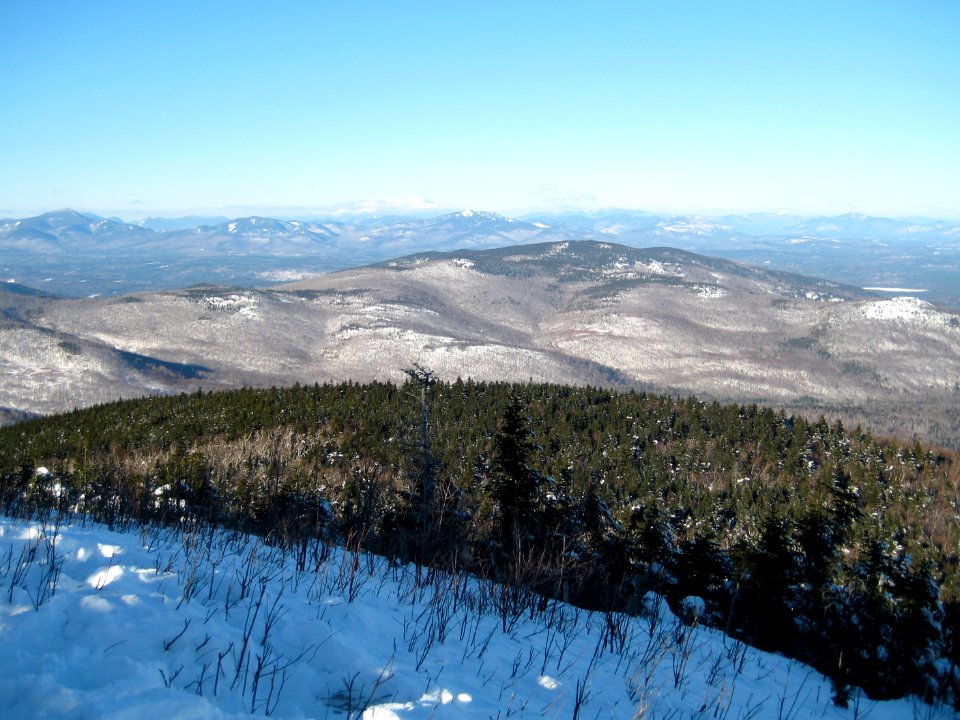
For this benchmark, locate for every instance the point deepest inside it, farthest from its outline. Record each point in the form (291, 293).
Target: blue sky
(135, 108)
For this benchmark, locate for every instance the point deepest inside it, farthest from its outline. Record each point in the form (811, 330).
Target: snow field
(210, 624)
(907, 309)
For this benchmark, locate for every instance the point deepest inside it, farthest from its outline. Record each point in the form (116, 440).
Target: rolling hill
(71, 253)
(586, 312)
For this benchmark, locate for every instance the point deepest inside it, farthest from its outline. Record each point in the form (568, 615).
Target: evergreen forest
(801, 536)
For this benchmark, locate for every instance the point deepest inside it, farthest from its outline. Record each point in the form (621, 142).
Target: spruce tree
(515, 483)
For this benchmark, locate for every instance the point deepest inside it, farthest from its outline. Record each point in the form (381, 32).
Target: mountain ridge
(582, 313)
(78, 254)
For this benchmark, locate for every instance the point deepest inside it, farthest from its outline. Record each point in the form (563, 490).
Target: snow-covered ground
(903, 308)
(155, 624)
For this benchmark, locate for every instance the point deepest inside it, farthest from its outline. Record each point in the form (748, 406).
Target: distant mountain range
(75, 254)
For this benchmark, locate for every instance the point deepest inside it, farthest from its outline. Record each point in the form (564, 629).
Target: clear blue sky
(138, 108)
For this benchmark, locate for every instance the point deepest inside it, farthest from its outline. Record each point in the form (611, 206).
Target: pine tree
(768, 595)
(515, 483)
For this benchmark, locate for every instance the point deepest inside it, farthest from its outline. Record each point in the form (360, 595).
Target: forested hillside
(825, 543)
(578, 313)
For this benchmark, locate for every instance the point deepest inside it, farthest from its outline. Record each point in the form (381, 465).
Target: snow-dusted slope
(155, 624)
(565, 312)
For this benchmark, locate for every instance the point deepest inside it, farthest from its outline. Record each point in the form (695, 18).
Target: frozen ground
(152, 623)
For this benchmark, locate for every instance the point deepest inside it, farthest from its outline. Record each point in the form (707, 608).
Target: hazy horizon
(352, 211)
